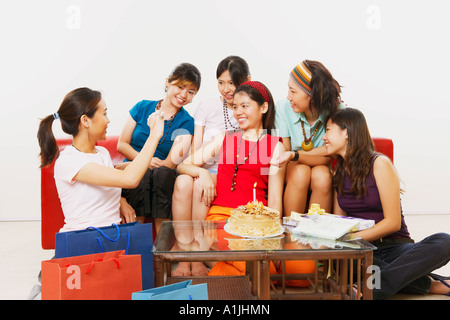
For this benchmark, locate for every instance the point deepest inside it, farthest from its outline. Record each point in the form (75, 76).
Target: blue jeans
(405, 266)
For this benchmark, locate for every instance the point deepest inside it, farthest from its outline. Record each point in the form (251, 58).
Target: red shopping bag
(102, 276)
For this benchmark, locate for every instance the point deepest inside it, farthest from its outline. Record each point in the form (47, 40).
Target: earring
(166, 89)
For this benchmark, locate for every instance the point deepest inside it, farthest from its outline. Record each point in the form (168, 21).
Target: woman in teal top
(182, 124)
(153, 197)
(300, 120)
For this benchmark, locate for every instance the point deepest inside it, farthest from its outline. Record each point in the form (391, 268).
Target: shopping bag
(134, 237)
(177, 291)
(102, 276)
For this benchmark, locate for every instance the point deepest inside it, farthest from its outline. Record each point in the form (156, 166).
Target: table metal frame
(338, 268)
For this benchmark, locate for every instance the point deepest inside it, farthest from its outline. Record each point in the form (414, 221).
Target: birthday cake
(254, 220)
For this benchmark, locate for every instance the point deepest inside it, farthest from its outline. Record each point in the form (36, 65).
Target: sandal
(442, 280)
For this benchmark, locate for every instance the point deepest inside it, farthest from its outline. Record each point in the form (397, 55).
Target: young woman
(87, 183)
(212, 117)
(367, 186)
(301, 118)
(244, 158)
(153, 197)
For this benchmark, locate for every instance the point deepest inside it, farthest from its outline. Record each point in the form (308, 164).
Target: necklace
(84, 152)
(97, 153)
(226, 117)
(307, 144)
(158, 106)
(237, 164)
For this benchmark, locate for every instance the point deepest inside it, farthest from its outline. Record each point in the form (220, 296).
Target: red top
(255, 169)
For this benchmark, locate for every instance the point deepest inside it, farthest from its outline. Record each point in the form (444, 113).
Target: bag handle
(126, 250)
(103, 234)
(108, 238)
(93, 262)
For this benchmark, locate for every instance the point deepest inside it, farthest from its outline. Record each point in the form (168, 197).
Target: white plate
(253, 237)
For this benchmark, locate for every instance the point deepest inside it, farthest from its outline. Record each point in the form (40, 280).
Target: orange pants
(237, 268)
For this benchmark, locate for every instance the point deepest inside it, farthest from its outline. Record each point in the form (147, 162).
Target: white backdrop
(390, 56)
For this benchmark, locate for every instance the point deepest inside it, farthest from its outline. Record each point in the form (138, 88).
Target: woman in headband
(244, 158)
(254, 110)
(212, 117)
(313, 96)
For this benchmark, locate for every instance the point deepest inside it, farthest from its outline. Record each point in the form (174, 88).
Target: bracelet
(296, 156)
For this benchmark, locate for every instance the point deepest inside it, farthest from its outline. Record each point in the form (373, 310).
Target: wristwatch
(296, 155)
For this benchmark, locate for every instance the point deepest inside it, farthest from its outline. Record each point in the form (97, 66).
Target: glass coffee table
(339, 265)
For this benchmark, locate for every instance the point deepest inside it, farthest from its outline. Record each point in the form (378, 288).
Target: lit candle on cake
(254, 193)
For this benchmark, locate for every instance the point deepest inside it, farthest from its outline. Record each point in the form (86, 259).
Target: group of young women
(195, 168)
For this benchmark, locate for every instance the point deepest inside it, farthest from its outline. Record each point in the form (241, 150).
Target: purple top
(369, 206)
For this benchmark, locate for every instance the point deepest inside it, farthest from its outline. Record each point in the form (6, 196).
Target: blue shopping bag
(177, 291)
(134, 238)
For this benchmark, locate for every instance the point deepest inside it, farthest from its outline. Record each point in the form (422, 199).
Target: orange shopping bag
(102, 276)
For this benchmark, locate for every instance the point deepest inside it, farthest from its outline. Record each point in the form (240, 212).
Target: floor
(21, 254)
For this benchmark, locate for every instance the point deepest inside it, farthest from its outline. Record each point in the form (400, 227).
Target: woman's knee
(321, 178)
(299, 175)
(183, 186)
(441, 240)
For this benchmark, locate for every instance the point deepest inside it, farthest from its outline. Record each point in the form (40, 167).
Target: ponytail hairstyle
(81, 101)
(358, 156)
(258, 92)
(236, 66)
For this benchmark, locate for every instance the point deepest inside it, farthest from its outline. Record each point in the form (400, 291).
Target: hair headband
(56, 115)
(259, 87)
(302, 77)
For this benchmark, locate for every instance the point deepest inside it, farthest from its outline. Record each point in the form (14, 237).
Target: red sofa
(52, 218)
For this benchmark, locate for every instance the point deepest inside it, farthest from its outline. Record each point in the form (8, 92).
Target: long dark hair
(325, 90)
(359, 153)
(186, 73)
(236, 66)
(255, 95)
(81, 101)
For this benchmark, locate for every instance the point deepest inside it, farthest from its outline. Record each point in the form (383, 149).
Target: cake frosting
(254, 220)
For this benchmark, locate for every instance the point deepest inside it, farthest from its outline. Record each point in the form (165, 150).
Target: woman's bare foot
(183, 269)
(438, 287)
(199, 269)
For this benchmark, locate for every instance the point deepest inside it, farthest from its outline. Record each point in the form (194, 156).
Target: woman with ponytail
(313, 96)
(88, 185)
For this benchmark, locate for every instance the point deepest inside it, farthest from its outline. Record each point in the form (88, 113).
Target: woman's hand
(283, 159)
(156, 123)
(207, 186)
(127, 212)
(156, 163)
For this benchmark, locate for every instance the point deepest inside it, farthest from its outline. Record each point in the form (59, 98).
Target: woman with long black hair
(367, 186)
